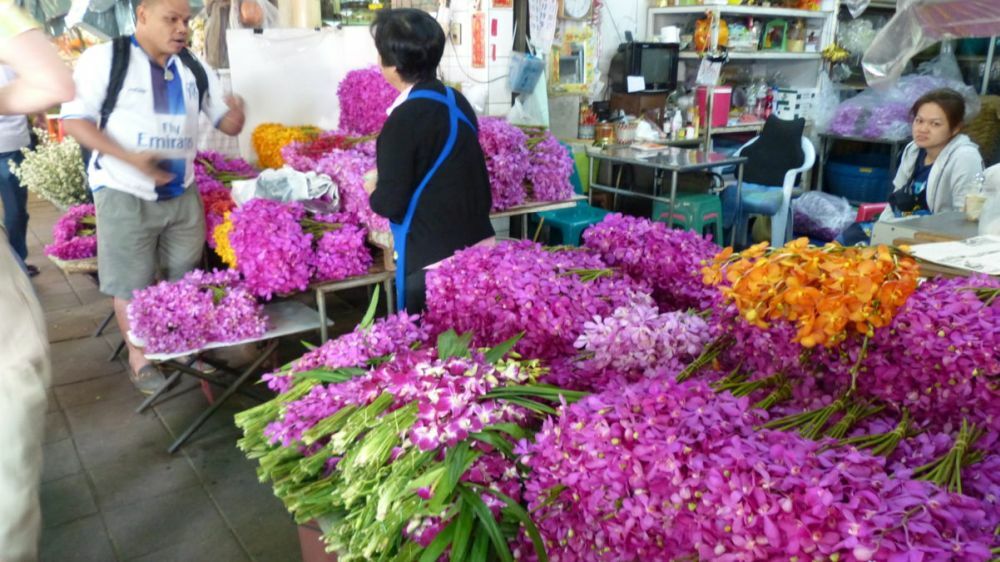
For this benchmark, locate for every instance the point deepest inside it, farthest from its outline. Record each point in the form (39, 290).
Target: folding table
(284, 319)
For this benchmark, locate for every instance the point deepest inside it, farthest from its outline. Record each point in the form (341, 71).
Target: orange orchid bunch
(269, 138)
(826, 292)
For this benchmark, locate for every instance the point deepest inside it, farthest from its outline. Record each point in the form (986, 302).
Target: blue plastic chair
(569, 223)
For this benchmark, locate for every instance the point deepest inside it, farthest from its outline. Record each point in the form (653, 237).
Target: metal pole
(989, 65)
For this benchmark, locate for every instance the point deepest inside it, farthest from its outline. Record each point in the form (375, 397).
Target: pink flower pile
(551, 167)
(498, 292)
(940, 357)
(68, 243)
(659, 470)
(507, 160)
(277, 256)
(217, 199)
(201, 308)
(354, 349)
(364, 98)
(669, 259)
(272, 251)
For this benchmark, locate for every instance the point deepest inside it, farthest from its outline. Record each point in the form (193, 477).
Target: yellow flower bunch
(269, 138)
(222, 246)
(826, 292)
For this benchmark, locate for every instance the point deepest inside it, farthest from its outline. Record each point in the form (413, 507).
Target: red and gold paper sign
(479, 40)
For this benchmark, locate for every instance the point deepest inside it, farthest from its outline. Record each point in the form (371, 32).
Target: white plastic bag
(287, 184)
(821, 215)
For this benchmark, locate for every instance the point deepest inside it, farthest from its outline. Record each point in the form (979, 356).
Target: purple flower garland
(364, 98)
(507, 160)
(70, 237)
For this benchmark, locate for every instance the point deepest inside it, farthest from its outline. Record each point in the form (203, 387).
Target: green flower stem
(882, 444)
(812, 423)
(746, 388)
(857, 364)
(588, 275)
(947, 471)
(854, 414)
(778, 395)
(709, 354)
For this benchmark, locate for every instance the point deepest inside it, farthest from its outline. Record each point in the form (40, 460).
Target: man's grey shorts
(140, 241)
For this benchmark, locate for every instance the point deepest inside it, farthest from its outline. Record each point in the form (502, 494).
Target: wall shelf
(759, 55)
(754, 11)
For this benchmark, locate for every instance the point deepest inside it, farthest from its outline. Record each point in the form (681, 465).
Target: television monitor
(657, 63)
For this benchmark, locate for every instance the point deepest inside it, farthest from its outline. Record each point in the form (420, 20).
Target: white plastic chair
(781, 223)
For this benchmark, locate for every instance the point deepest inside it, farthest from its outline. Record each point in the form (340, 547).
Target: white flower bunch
(55, 171)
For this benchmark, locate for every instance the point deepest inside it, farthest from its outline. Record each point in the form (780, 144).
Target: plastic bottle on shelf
(989, 218)
(676, 125)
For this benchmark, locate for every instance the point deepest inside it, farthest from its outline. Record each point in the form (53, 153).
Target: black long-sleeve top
(453, 211)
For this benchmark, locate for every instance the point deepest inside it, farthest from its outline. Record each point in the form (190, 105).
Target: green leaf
(450, 344)
(323, 374)
(488, 523)
(538, 391)
(522, 516)
(512, 429)
(439, 544)
(461, 541)
(497, 352)
(496, 441)
(551, 496)
(537, 407)
(369, 317)
(456, 461)
(307, 345)
(480, 545)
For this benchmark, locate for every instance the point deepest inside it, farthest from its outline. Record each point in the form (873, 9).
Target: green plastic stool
(693, 212)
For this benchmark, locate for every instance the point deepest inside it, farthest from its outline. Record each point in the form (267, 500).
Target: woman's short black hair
(951, 103)
(411, 40)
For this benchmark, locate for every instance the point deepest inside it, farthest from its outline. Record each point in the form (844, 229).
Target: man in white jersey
(149, 215)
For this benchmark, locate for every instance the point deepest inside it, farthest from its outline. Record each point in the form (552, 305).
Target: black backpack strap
(200, 77)
(121, 48)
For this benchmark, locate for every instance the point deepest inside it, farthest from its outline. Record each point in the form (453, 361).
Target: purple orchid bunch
(385, 337)
(670, 260)
(211, 166)
(74, 236)
(347, 169)
(200, 308)
(273, 252)
(641, 341)
(507, 161)
(341, 253)
(364, 96)
(449, 394)
(550, 169)
(940, 357)
(660, 470)
(498, 292)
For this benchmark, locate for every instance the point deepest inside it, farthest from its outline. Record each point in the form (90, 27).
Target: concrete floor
(110, 491)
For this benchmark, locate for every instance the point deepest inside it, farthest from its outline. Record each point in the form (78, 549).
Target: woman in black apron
(432, 181)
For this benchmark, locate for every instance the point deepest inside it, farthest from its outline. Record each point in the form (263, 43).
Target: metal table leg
(159, 392)
(104, 324)
(117, 351)
(673, 196)
(739, 197)
(230, 390)
(321, 306)
(390, 296)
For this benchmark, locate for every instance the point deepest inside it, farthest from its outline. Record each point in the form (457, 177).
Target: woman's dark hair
(411, 40)
(950, 101)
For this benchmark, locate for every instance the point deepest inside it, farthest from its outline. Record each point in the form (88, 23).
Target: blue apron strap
(400, 231)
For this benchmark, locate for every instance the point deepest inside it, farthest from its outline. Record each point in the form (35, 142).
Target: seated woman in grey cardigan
(937, 168)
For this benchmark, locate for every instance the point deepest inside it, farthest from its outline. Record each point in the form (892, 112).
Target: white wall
(486, 88)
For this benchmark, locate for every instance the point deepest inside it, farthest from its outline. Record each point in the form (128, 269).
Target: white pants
(24, 376)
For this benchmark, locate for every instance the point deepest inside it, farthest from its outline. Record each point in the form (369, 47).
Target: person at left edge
(142, 167)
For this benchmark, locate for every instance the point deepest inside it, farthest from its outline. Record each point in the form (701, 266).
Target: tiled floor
(110, 490)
